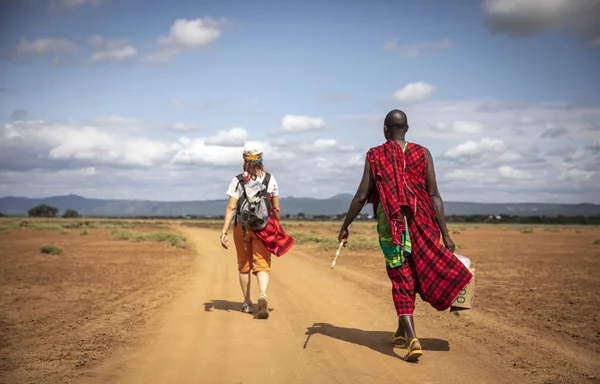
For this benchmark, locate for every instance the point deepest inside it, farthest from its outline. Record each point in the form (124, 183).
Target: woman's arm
(276, 207)
(229, 213)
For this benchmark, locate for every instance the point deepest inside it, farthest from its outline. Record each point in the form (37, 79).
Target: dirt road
(323, 328)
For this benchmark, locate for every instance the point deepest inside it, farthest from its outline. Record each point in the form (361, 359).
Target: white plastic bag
(465, 260)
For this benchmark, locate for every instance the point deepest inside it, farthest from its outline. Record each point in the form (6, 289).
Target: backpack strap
(242, 183)
(267, 180)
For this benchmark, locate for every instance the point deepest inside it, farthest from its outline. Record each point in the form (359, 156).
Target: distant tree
(71, 213)
(301, 215)
(1, 215)
(43, 210)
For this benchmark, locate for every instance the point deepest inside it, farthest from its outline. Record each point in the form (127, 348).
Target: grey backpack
(254, 206)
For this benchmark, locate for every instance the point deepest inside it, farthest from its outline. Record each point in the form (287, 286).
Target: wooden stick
(337, 254)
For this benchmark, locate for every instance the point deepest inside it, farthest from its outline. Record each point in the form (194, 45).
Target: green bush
(170, 238)
(553, 230)
(597, 242)
(363, 244)
(51, 250)
(43, 210)
(47, 227)
(84, 232)
(7, 227)
(71, 213)
(527, 230)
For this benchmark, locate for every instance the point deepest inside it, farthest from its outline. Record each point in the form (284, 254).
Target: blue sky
(134, 99)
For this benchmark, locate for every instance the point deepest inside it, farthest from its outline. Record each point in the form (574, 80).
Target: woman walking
(255, 246)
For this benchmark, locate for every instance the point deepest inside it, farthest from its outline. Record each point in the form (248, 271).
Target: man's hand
(224, 241)
(449, 243)
(343, 236)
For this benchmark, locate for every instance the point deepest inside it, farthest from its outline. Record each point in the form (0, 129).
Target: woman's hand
(224, 241)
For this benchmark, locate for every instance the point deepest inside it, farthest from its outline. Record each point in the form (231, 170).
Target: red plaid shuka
(400, 179)
(274, 238)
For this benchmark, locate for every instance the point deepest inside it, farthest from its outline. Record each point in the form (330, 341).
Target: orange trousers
(255, 257)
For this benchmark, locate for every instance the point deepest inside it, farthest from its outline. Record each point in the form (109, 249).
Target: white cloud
(115, 50)
(468, 127)
(579, 154)
(43, 46)
(80, 144)
(528, 18)
(577, 175)
(193, 33)
(413, 92)
(509, 172)
(507, 162)
(357, 161)
(328, 146)
(234, 137)
(510, 156)
(199, 152)
(463, 175)
(299, 123)
(70, 4)
(187, 35)
(471, 148)
(182, 127)
(416, 50)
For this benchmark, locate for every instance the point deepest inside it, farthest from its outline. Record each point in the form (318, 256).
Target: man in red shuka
(399, 180)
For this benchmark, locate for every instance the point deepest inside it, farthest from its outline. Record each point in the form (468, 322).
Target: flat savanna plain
(64, 316)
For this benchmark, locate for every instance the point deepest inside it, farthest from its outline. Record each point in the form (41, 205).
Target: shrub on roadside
(47, 227)
(170, 238)
(51, 250)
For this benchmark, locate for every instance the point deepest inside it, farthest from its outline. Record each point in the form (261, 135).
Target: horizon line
(285, 197)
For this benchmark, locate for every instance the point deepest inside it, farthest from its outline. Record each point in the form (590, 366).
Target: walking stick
(337, 254)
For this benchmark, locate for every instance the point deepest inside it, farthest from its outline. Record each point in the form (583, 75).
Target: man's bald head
(396, 119)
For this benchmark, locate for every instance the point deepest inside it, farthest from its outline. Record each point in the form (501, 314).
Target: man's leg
(408, 326)
(403, 293)
(244, 257)
(262, 269)
(400, 331)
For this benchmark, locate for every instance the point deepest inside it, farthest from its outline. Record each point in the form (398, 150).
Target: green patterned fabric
(394, 254)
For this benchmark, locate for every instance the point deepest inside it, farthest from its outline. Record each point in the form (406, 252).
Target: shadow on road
(226, 305)
(222, 305)
(380, 341)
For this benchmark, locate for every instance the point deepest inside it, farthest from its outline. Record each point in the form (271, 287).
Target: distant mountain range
(289, 205)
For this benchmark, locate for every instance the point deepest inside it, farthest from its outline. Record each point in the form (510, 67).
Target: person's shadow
(229, 306)
(380, 341)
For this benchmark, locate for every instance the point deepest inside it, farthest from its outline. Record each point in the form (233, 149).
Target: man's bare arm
(438, 204)
(360, 198)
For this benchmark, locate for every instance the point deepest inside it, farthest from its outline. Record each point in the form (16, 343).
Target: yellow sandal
(399, 341)
(413, 354)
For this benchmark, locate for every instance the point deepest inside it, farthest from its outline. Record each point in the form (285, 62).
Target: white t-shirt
(235, 188)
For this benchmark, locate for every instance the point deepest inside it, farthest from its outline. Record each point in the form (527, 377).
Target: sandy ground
(109, 311)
